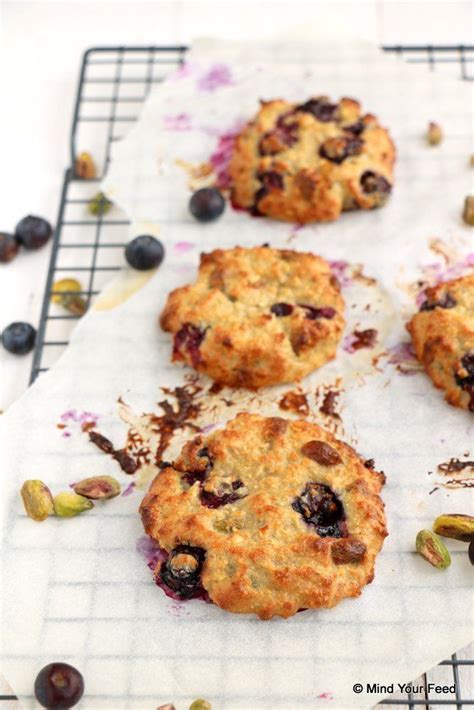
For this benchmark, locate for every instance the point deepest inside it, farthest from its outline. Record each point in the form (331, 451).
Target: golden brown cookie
(308, 162)
(267, 516)
(443, 337)
(256, 317)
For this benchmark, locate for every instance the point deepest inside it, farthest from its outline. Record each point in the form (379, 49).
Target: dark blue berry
(8, 247)
(144, 252)
(182, 571)
(189, 338)
(33, 232)
(59, 686)
(207, 204)
(282, 309)
(19, 338)
(319, 506)
(320, 108)
(375, 184)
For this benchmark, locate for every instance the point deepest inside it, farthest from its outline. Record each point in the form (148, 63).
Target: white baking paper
(77, 590)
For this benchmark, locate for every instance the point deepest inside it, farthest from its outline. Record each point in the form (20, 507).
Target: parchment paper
(77, 590)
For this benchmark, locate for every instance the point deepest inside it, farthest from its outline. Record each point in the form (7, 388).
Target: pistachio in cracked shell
(67, 505)
(432, 549)
(98, 487)
(37, 500)
(455, 525)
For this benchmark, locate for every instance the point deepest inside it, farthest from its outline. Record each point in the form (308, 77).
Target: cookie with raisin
(266, 516)
(308, 162)
(442, 333)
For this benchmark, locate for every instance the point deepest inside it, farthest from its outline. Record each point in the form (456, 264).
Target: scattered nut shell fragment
(37, 500)
(434, 134)
(456, 526)
(85, 167)
(200, 704)
(99, 205)
(468, 213)
(98, 487)
(64, 294)
(67, 505)
(432, 549)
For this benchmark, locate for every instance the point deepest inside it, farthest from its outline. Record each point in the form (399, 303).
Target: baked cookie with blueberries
(256, 317)
(266, 516)
(308, 162)
(443, 337)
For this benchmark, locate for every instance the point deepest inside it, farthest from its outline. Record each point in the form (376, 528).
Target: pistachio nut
(37, 500)
(98, 487)
(468, 213)
(471, 552)
(64, 294)
(432, 549)
(200, 705)
(455, 525)
(99, 205)
(85, 166)
(67, 505)
(471, 160)
(434, 134)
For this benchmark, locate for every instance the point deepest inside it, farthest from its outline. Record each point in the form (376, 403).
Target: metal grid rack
(113, 84)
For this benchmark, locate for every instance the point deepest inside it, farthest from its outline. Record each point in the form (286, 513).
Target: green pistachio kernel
(99, 205)
(64, 294)
(432, 549)
(37, 500)
(67, 505)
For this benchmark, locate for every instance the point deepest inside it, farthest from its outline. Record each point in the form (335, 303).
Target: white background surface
(41, 47)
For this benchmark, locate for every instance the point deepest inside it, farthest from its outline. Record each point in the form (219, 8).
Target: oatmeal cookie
(256, 317)
(308, 162)
(267, 516)
(443, 337)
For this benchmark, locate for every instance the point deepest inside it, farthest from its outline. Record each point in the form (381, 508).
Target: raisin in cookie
(443, 338)
(267, 516)
(308, 162)
(256, 317)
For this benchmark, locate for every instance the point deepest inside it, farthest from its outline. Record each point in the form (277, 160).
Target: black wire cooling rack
(113, 84)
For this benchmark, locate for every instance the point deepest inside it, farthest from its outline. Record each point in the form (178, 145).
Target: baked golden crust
(443, 337)
(262, 553)
(234, 323)
(308, 162)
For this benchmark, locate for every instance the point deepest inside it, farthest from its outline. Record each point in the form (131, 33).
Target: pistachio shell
(432, 549)
(468, 213)
(200, 705)
(64, 294)
(85, 166)
(67, 505)
(98, 487)
(434, 135)
(99, 205)
(455, 525)
(37, 500)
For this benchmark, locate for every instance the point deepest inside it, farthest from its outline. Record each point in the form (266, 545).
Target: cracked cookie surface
(309, 162)
(443, 337)
(266, 516)
(256, 317)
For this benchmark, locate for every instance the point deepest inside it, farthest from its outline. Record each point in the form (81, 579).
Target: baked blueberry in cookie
(443, 337)
(282, 517)
(308, 162)
(256, 317)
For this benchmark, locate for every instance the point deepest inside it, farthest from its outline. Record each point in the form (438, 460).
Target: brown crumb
(295, 401)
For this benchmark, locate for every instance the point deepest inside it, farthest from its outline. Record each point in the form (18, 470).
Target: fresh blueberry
(8, 247)
(182, 571)
(207, 204)
(144, 252)
(59, 686)
(33, 232)
(19, 338)
(319, 506)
